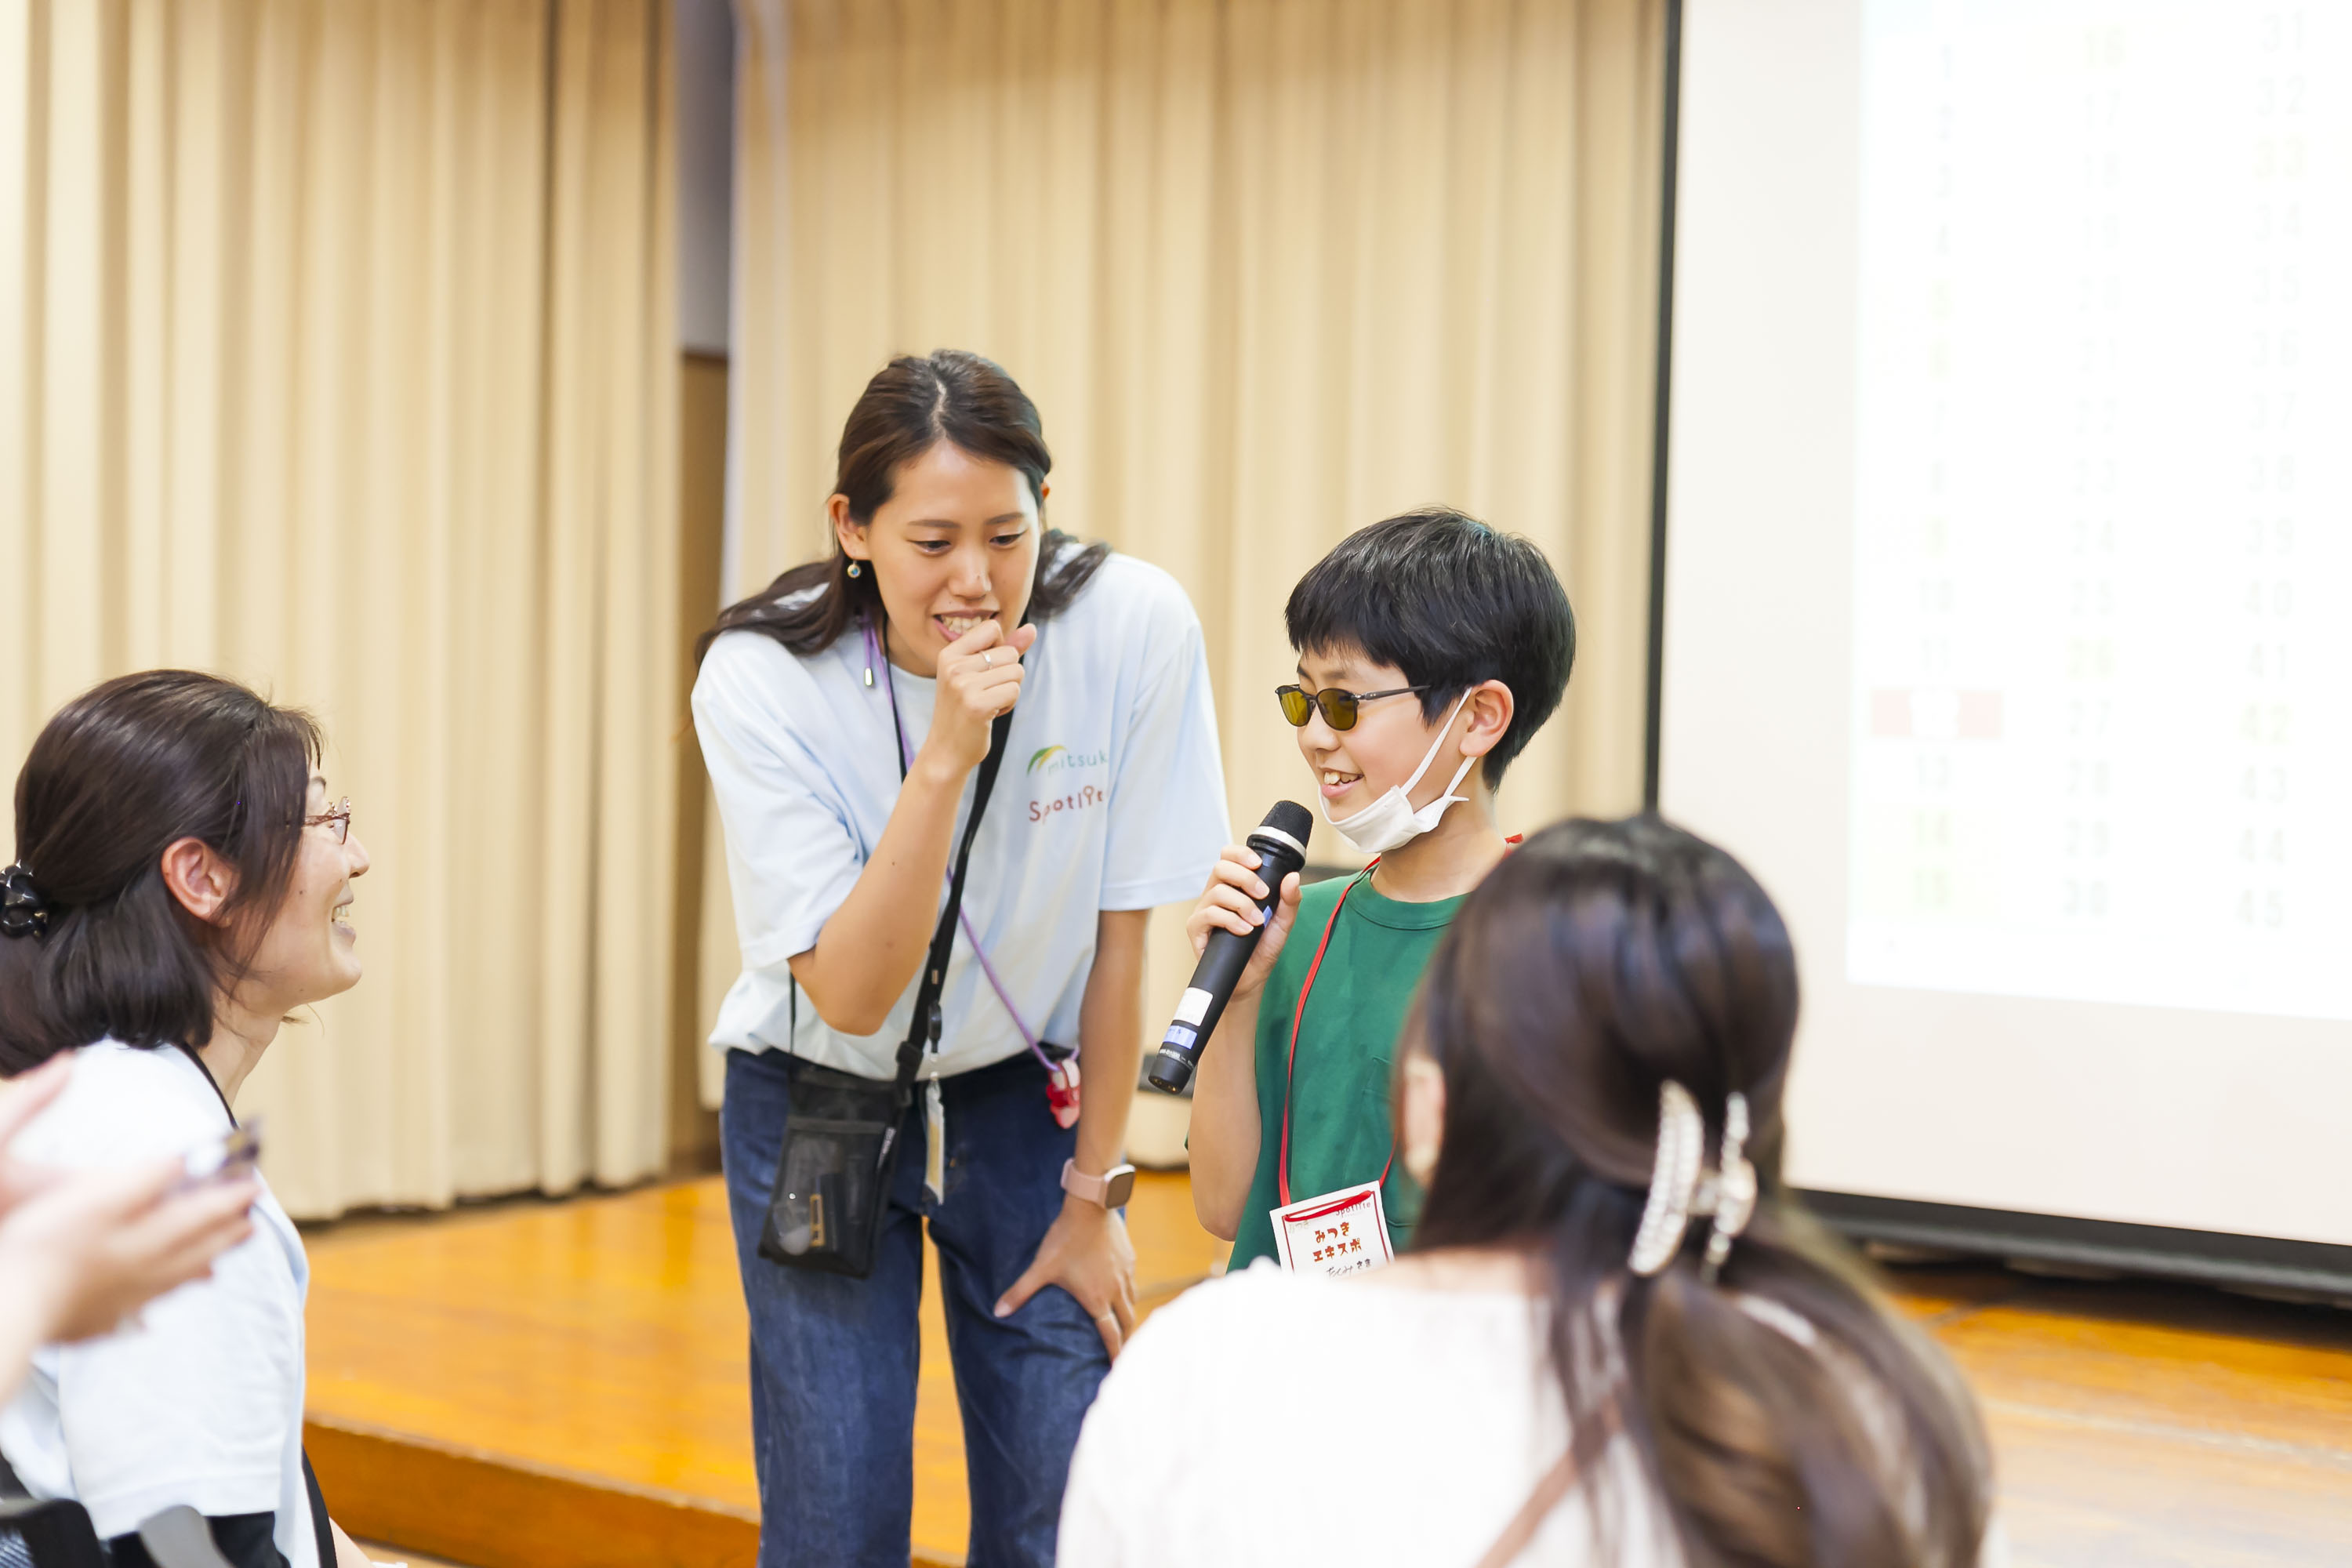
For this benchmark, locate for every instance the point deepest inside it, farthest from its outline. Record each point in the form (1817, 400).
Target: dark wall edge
(1670, 154)
(2206, 1257)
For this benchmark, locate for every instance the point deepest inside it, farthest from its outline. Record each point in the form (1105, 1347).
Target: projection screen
(2008, 608)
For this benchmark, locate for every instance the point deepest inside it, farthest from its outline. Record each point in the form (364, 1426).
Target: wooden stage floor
(562, 1385)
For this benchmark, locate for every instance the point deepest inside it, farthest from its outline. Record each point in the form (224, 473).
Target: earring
(855, 569)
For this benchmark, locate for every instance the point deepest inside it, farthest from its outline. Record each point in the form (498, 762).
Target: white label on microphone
(1194, 1006)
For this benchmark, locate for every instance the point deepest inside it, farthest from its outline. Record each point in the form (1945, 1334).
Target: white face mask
(1390, 820)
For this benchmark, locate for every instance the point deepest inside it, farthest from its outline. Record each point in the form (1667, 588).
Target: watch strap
(1093, 1189)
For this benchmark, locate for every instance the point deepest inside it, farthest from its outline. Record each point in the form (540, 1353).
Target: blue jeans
(834, 1358)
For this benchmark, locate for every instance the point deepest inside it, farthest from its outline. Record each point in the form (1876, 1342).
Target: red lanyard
(1282, 1165)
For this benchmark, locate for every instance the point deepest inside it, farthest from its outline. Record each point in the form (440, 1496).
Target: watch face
(1117, 1187)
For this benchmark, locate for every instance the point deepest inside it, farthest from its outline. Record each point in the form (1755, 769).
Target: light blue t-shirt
(1110, 796)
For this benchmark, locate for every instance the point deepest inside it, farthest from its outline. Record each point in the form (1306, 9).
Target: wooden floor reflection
(563, 1385)
(601, 1341)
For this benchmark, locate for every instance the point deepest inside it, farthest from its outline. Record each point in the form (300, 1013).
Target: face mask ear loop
(1446, 797)
(1449, 797)
(1431, 755)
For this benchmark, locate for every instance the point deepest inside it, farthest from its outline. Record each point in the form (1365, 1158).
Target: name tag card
(1344, 1232)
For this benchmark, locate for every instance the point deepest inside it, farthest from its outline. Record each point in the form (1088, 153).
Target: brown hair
(911, 405)
(1784, 1414)
(120, 773)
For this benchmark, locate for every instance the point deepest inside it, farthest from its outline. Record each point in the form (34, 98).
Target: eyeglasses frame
(1354, 699)
(338, 815)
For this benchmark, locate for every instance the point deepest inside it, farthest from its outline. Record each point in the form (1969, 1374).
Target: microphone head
(1290, 818)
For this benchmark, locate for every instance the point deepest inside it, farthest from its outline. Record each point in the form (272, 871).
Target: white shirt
(1277, 1419)
(1110, 796)
(199, 1402)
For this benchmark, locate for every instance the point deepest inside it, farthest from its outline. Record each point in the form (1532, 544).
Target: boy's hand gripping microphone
(1281, 845)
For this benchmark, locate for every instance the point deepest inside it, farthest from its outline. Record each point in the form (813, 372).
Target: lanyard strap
(190, 1052)
(1298, 1016)
(995, 981)
(1282, 1165)
(923, 1027)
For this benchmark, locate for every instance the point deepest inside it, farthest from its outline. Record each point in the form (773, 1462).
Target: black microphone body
(1281, 845)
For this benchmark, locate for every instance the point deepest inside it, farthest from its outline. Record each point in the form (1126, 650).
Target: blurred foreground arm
(81, 1251)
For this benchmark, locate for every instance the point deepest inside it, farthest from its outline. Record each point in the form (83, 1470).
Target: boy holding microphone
(1431, 649)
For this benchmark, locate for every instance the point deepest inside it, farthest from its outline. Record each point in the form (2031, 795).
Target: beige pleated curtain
(337, 356)
(1273, 270)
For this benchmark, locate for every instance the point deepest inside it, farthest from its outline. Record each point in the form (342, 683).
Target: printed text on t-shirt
(1076, 800)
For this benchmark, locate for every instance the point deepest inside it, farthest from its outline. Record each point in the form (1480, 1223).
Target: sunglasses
(1299, 704)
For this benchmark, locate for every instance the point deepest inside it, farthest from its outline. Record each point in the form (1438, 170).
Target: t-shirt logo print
(1048, 761)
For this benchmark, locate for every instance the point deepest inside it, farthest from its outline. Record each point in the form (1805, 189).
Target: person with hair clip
(1616, 1339)
(956, 763)
(181, 883)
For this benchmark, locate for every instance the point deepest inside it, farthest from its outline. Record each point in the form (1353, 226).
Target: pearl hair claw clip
(1735, 1189)
(1674, 1180)
(1680, 1189)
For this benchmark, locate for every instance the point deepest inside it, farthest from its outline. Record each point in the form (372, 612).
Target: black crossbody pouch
(841, 1136)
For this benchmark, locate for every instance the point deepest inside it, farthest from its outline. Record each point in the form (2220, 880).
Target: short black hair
(1452, 603)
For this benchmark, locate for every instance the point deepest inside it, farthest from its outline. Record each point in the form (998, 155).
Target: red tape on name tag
(1342, 1232)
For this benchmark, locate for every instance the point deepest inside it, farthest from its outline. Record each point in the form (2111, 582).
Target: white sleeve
(1092, 1523)
(791, 856)
(1168, 819)
(1135, 1433)
(195, 1406)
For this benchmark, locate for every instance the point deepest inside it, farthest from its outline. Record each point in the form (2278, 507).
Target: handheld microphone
(1281, 845)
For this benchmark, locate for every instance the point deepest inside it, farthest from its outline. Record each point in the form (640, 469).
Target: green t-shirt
(1341, 1132)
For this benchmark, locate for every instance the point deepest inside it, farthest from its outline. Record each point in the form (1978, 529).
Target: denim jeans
(834, 1358)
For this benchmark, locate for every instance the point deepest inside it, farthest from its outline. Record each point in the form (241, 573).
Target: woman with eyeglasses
(183, 881)
(891, 1066)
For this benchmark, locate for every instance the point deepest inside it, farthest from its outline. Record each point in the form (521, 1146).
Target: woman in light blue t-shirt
(846, 714)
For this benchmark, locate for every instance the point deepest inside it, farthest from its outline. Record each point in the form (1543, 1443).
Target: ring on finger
(988, 658)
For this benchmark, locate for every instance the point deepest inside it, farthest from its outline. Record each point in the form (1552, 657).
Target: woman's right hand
(979, 677)
(1230, 903)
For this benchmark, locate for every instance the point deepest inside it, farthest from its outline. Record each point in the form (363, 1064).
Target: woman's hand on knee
(1087, 1254)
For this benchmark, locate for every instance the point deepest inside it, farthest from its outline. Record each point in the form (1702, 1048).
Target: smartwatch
(1111, 1189)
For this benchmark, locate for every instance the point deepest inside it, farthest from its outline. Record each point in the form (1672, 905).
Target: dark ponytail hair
(121, 773)
(1783, 1412)
(911, 405)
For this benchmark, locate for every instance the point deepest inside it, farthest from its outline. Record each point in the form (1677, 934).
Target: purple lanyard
(873, 656)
